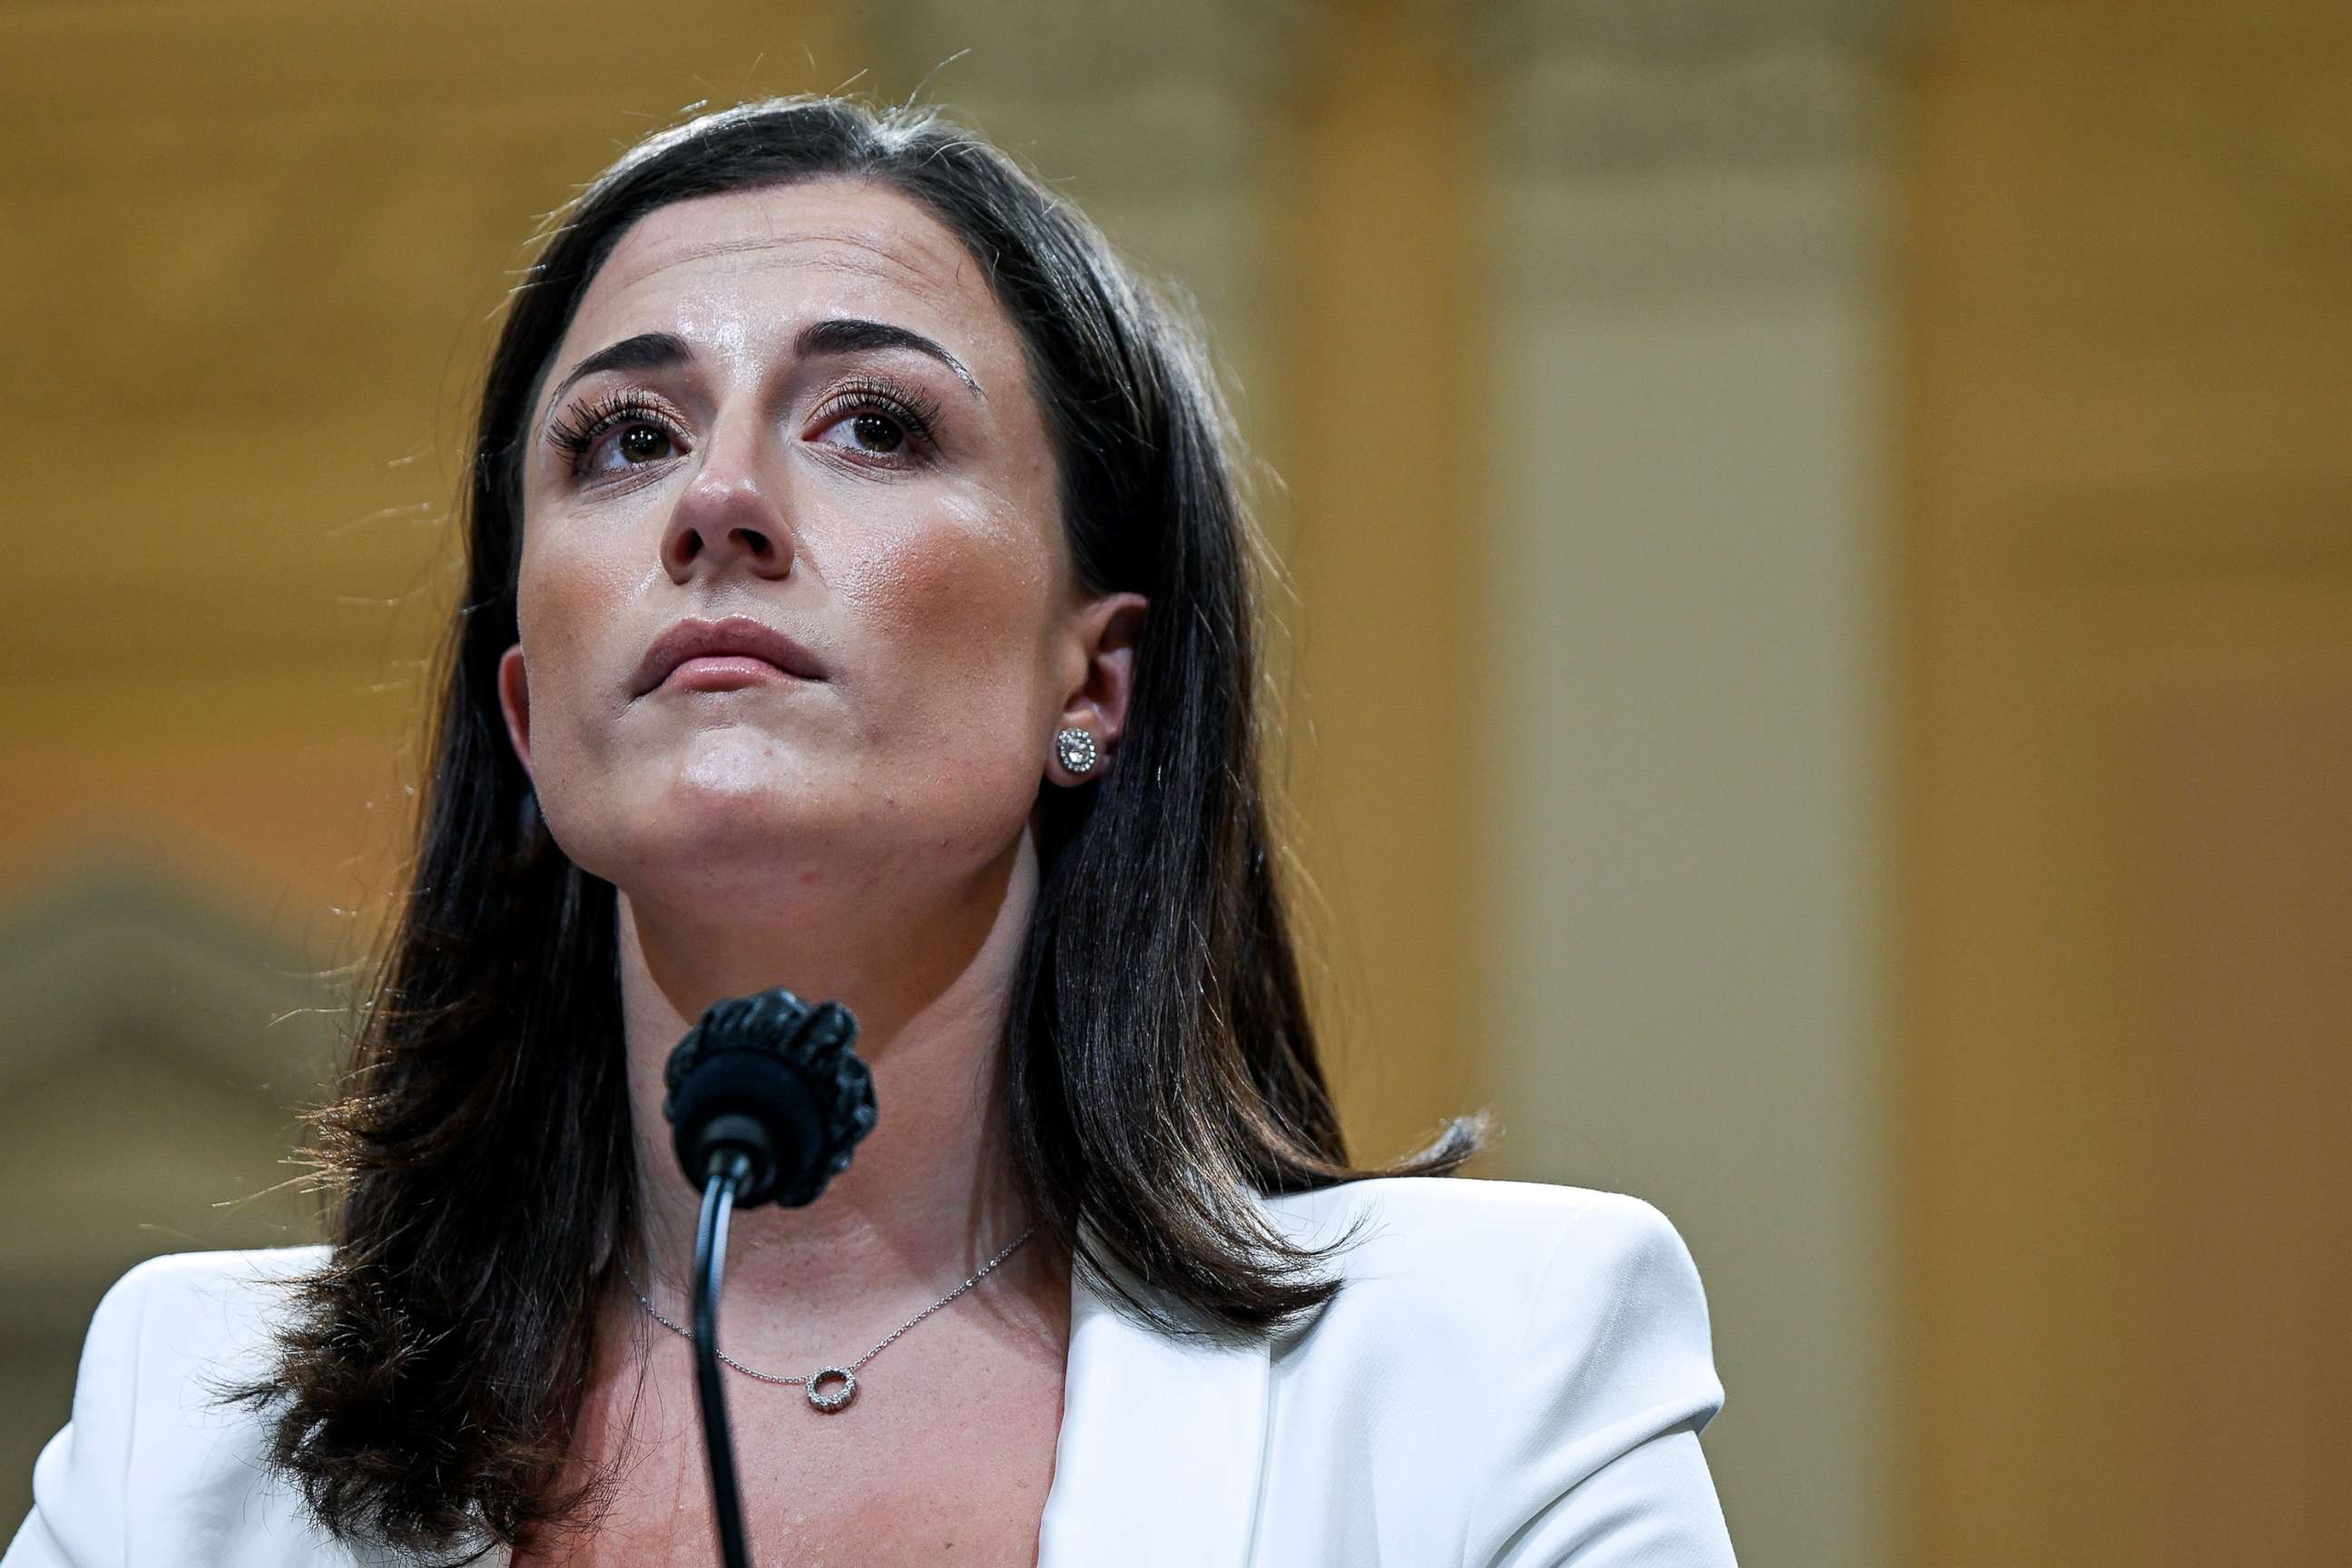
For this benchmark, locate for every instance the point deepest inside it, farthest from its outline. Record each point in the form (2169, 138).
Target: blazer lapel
(1161, 1448)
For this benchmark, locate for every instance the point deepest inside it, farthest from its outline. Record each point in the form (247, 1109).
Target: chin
(686, 836)
(743, 846)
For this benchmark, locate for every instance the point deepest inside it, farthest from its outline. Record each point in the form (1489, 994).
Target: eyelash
(583, 425)
(914, 410)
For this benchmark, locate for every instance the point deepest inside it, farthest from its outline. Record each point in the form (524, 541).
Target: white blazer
(1511, 1375)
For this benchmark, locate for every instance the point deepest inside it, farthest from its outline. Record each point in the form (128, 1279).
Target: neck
(929, 1195)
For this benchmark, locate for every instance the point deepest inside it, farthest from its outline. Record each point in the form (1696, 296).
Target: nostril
(745, 540)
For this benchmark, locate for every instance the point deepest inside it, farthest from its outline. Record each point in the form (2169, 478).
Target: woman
(858, 599)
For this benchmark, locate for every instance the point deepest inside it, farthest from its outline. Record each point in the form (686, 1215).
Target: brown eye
(877, 433)
(642, 444)
(623, 430)
(877, 421)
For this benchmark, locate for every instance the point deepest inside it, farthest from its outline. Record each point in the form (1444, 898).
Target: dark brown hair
(1159, 1070)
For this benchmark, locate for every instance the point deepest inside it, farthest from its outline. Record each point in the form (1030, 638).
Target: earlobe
(514, 702)
(1074, 749)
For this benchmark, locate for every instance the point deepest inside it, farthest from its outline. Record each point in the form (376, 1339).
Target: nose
(727, 518)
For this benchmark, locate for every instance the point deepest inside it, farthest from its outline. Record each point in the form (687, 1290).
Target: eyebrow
(848, 335)
(646, 351)
(839, 335)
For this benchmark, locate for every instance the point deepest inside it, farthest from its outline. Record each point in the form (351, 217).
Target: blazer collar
(1161, 1448)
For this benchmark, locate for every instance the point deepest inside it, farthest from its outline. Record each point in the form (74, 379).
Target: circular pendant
(832, 1399)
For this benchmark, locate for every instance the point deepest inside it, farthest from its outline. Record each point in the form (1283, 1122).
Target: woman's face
(796, 423)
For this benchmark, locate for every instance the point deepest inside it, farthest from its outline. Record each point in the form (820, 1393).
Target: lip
(736, 636)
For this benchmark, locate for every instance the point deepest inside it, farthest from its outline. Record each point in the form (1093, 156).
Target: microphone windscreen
(777, 1078)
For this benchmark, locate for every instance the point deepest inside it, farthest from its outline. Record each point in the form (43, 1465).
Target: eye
(614, 435)
(643, 443)
(878, 421)
(875, 432)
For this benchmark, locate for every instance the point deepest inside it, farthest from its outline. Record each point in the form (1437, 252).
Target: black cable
(729, 1170)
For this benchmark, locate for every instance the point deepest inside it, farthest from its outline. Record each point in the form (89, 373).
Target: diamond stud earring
(1075, 748)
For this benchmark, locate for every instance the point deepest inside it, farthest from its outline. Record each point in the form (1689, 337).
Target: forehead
(718, 265)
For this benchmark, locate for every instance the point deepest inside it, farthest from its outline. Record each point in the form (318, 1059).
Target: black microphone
(775, 1077)
(765, 1102)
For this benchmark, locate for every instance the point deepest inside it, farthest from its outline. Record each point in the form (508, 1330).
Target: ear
(514, 701)
(1106, 633)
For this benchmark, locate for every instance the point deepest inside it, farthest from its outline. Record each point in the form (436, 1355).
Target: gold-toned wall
(1383, 555)
(2126, 616)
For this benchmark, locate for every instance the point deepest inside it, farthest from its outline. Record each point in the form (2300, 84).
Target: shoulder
(207, 1302)
(1433, 1207)
(1514, 1246)
(174, 1325)
(149, 1421)
(1538, 1355)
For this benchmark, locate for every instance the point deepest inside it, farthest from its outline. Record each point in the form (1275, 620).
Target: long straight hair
(1159, 1071)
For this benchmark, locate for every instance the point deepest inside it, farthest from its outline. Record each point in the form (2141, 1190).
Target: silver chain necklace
(844, 1379)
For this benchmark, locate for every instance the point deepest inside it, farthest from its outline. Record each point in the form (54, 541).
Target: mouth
(722, 655)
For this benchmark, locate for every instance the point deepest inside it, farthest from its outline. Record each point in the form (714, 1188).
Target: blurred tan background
(1823, 542)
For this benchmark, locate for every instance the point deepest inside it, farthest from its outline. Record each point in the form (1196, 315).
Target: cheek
(967, 599)
(566, 603)
(960, 619)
